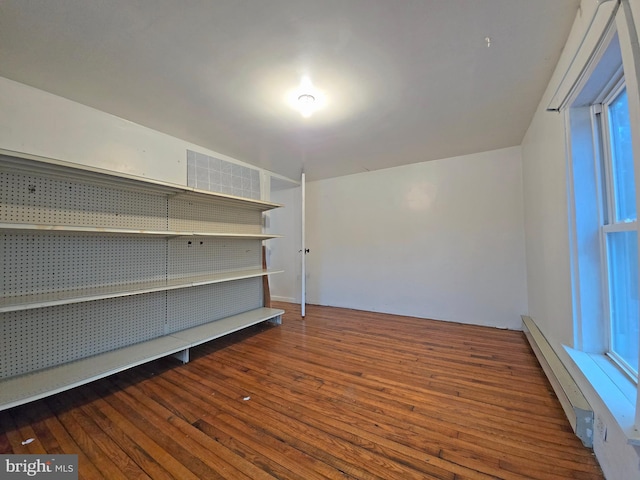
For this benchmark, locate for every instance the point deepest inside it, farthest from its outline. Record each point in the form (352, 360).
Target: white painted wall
(441, 239)
(546, 226)
(40, 123)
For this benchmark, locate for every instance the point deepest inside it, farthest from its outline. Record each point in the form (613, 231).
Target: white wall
(40, 123)
(546, 226)
(441, 239)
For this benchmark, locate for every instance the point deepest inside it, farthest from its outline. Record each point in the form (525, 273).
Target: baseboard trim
(283, 299)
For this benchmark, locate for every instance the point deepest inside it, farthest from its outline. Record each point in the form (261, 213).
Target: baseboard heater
(573, 402)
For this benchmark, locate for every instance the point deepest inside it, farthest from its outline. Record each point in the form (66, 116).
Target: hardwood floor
(342, 394)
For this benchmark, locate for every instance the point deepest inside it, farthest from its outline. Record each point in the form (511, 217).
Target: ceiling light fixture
(306, 99)
(306, 104)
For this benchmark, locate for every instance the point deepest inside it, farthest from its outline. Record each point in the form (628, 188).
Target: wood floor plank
(252, 435)
(153, 459)
(436, 399)
(341, 394)
(218, 457)
(52, 434)
(345, 430)
(170, 440)
(11, 432)
(69, 417)
(5, 447)
(230, 399)
(343, 419)
(67, 445)
(254, 445)
(445, 430)
(36, 417)
(430, 364)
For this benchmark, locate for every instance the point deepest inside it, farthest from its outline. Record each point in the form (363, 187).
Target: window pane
(622, 159)
(623, 293)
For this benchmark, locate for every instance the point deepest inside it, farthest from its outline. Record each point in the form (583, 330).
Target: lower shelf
(16, 391)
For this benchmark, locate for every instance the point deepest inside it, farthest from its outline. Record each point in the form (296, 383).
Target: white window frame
(601, 129)
(615, 390)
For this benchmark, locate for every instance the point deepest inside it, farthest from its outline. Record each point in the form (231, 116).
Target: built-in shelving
(33, 386)
(103, 271)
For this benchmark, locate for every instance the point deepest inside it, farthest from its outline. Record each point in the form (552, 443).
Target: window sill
(616, 390)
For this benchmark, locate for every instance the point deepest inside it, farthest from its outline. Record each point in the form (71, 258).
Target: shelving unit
(104, 271)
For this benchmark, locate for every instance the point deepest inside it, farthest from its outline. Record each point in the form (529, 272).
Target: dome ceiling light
(306, 99)
(306, 104)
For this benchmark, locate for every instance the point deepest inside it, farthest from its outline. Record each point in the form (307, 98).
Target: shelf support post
(182, 355)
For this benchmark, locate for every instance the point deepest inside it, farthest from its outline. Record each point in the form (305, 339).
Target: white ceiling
(405, 80)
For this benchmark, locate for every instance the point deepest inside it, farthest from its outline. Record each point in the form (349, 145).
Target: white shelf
(210, 331)
(35, 165)
(26, 302)
(28, 227)
(16, 391)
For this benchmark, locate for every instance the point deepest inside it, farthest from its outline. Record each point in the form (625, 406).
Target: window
(599, 99)
(605, 233)
(619, 228)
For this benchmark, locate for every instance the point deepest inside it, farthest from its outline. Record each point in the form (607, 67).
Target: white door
(303, 250)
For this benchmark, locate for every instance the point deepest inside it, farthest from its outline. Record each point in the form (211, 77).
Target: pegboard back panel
(202, 255)
(52, 201)
(31, 340)
(190, 307)
(192, 216)
(36, 263)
